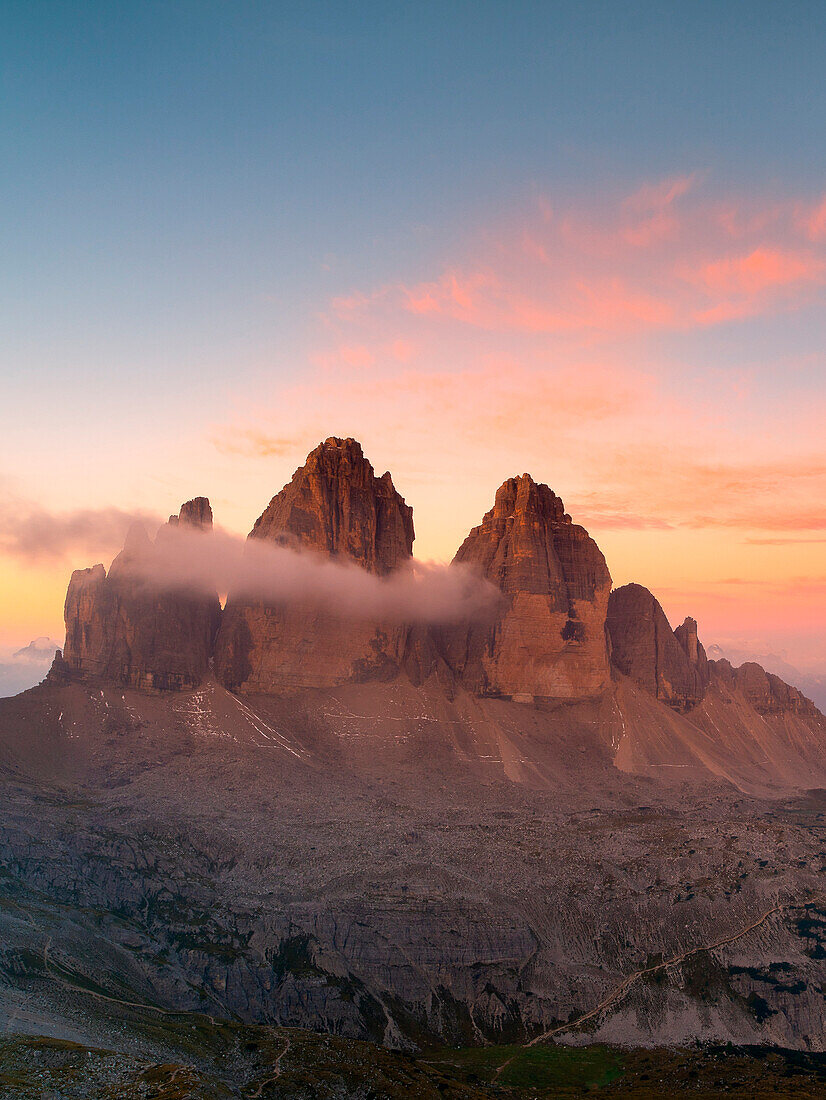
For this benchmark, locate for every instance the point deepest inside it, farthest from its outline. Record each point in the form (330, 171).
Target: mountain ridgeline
(560, 632)
(556, 818)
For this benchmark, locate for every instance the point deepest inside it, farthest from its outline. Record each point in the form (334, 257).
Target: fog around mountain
(23, 667)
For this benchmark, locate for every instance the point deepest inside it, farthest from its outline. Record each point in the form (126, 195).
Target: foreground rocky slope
(195, 1059)
(379, 863)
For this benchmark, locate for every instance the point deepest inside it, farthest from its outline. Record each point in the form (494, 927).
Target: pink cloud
(657, 259)
(662, 193)
(357, 356)
(648, 213)
(760, 270)
(539, 347)
(815, 223)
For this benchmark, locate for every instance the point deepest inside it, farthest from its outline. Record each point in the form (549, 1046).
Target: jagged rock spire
(670, 664)
(337, 507)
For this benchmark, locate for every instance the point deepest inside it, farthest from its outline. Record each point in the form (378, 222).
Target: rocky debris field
(353, 876)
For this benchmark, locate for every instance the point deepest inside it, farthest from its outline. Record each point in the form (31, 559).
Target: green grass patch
(541, 1066)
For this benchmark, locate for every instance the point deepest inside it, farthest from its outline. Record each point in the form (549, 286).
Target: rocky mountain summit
(767, 693)
(670, 664)
(334, 507)
(560, 633)
(549, 638)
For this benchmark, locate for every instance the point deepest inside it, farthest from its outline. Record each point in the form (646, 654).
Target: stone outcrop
(195, 513)
(764, 691)
(670, 664)
(548, 640)
(335, 507)
(121, 628)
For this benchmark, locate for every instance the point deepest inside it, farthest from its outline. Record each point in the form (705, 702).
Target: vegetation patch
(539, 1067)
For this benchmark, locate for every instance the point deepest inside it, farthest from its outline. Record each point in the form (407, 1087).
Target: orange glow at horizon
(556, 345)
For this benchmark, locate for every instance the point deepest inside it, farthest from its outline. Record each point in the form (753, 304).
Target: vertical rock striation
(548, 640)
(670, 664)
(120, 628)
(336, 507)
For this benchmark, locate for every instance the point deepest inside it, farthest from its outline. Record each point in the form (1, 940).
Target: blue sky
(178, 176)
(195, 194)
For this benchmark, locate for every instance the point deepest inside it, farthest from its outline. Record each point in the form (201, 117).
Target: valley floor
(230, 1062)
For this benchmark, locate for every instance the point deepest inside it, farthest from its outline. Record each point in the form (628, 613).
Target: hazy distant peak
(39, 649)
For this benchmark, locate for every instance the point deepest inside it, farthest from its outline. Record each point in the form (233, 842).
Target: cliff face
(121, 629)
(549, 639)
(670, 664)
(334, 506)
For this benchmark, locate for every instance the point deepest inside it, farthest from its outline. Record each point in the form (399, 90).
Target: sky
(584, 240)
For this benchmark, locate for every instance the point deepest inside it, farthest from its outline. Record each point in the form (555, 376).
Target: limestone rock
(121, 629)
(334, 506)
(195, 513)
(670, 664)
(767, 693)
(548, 640)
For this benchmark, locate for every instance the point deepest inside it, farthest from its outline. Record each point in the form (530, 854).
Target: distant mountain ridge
(812, 684)
(39, 649)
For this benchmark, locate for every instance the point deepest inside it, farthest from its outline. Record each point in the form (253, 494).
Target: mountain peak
(336, 505)
(118, 629)
(549, 639)
(521, 495)
(195, 513)
(670, 664)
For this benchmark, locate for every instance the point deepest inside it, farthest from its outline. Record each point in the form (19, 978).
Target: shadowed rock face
(337, 507)
(195, 513)
(122, 630)
(670, 664)
(549, 639)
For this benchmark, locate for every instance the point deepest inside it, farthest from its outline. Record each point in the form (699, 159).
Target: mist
(35, 534)
(186, 559)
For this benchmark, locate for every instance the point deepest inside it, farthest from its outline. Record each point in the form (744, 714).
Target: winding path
(618, 993)
(273, 1076)
(67, 984)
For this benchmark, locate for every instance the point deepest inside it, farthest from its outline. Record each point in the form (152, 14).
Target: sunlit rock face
(670, 664)
(548, 640)
(122, 629)
(335, 507)
(764, 691)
